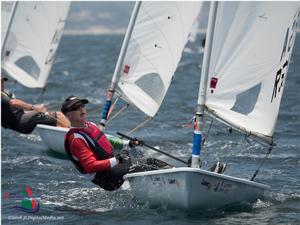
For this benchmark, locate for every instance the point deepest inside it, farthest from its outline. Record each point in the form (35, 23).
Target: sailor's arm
(87, 158)
(119, 143)
(19, 104)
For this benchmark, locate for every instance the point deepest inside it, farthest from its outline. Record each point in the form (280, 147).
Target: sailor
(92, 152)
(16, 118)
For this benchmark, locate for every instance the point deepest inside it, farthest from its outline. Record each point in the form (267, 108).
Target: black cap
(4, 78)
(72, 102)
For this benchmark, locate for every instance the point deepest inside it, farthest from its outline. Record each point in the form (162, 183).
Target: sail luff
(8, 27)
(207, 55)
(117, 74)
(118, 67)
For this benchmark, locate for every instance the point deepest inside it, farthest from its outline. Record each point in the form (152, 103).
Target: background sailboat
(244, 68)
(31, 32)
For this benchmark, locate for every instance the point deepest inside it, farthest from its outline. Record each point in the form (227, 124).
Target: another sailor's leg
(28, 122)
(61, 119)
(31, 119)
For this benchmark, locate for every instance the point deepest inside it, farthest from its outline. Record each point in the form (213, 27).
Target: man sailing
(92, 152)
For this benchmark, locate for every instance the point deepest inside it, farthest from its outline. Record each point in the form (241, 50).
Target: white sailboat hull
(192, 188)
(53, 137)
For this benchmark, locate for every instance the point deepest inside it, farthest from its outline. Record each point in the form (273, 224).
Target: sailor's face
(77, 116)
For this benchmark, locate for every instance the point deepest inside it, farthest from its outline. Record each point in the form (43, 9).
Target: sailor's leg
(28, 121)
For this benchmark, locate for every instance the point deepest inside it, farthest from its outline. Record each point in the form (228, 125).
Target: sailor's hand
(123, 157)
(134, 143)
(39, 108)
(123, 166)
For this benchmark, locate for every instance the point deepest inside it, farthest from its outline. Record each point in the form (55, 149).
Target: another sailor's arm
(19, 104)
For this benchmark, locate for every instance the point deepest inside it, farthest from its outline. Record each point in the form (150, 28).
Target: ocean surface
(84, 67)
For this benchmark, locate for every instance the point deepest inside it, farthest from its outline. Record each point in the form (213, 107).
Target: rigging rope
(263, 161)
(248, 141)
(119, 96)
(112, 107)
(118, 113)
(140, 125)
(41, 94)
(210, 126)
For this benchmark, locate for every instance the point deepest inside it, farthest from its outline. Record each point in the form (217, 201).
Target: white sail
(160, 33)
(250, 55)
(32, 40)
(6, 13)
(195, 27)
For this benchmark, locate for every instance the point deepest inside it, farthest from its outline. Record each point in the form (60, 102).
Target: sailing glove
(124, 164)
(123, 157)
(135, 142)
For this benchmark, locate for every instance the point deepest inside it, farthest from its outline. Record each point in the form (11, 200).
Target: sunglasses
(77, 108)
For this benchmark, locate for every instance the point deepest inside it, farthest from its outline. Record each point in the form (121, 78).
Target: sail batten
(160, 33)
(250, 55)
(32, 41)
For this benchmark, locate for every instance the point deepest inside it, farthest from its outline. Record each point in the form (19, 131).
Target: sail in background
(159, 36)
(6, 13)
(195, 27)
(32, 40)
(250, 56)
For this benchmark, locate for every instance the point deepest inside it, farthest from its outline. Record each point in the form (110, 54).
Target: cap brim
(77, 103)
(84, 101)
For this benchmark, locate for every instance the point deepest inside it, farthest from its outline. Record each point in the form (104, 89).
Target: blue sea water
(84, 67)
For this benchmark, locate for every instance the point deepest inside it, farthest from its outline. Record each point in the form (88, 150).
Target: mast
(199, 115)
(117, 74)
(8, 27)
